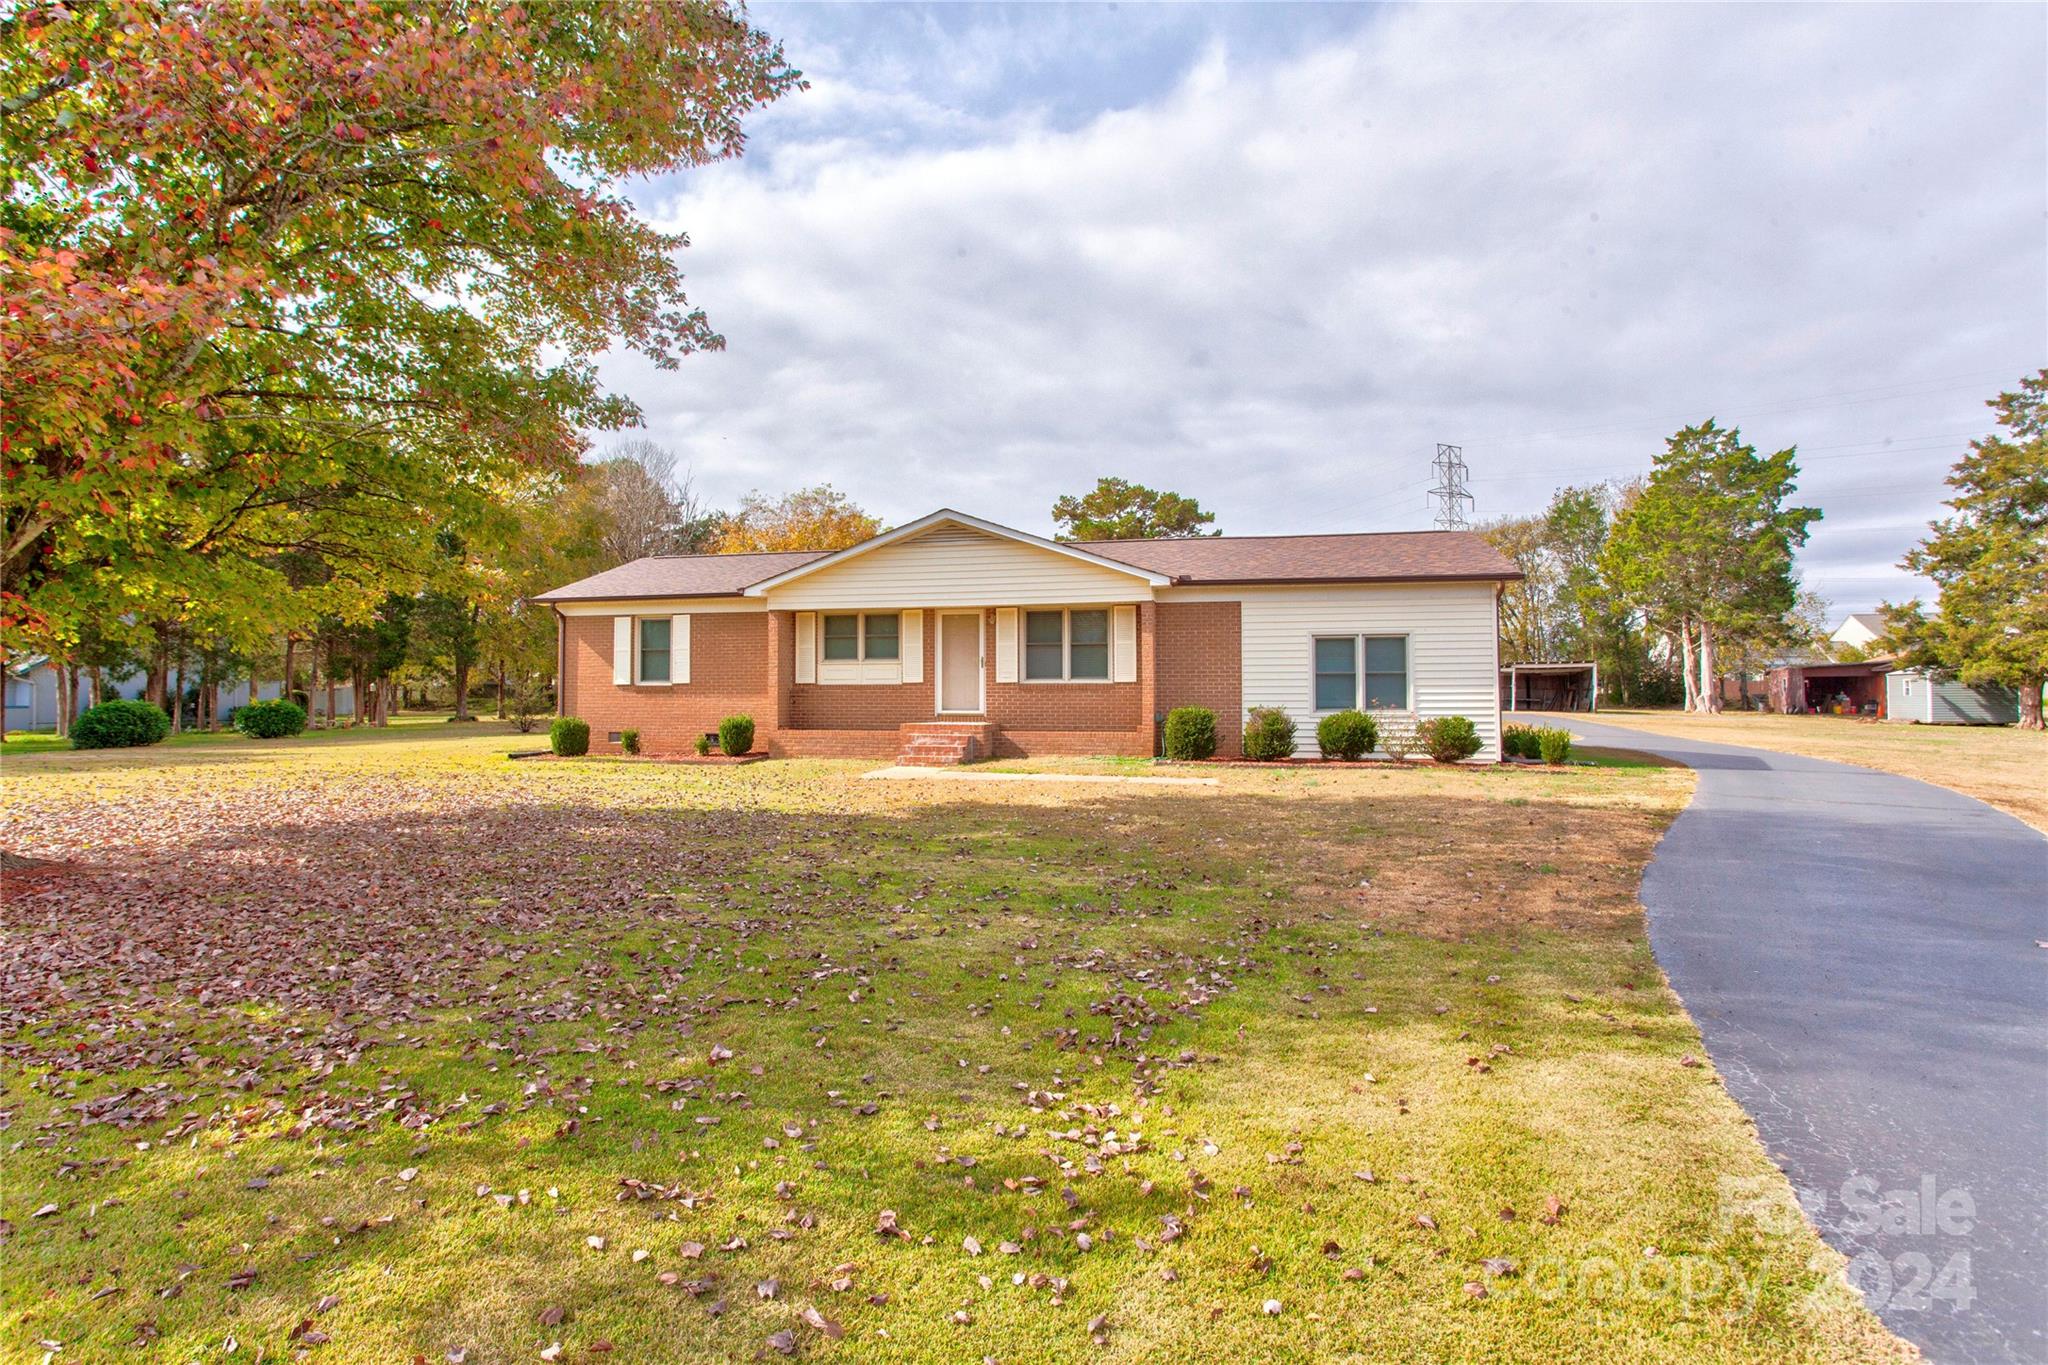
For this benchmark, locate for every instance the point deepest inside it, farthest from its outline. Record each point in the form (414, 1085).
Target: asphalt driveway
(1865, 956)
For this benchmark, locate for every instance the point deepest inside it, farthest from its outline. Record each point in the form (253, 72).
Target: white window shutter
(910, 646)
(622, 651)
(1124, 644)
(807, 646)
(1006, 644)
(679, 648)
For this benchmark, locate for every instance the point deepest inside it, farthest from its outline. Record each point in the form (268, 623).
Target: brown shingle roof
(681, 576)
(1376, 557)
(1382, 557)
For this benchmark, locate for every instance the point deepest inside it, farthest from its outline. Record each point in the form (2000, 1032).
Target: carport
(1550, 687)
(1829, 689)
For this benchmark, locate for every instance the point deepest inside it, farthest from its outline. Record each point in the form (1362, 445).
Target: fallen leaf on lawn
(551, 1317)
(783, 1343)
(1423, 1220)
(824, 1324)
(690, 1251)
(885, 1225)
(1271, 1308)
(970, 1246)
(1475, 1289)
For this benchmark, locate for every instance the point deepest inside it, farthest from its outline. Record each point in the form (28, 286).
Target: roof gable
(924, 526)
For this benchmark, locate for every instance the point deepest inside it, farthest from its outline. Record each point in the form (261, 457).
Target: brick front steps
(942, 743)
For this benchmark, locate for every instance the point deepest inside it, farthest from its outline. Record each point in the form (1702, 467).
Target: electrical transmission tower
(1452, 497)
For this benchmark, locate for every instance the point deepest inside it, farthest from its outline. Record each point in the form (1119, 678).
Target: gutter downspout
(561, 664)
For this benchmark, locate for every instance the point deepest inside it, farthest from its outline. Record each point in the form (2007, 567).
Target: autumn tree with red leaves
(294, 282)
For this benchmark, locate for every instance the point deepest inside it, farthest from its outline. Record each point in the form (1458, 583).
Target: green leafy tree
(1989, 561)
(1706, 550)
(1120, 510)
(291, 277)
(820, 518)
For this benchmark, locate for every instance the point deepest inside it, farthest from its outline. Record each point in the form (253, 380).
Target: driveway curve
(1867, 958)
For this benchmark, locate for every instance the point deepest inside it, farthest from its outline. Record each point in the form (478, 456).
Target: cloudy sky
(1270, 255)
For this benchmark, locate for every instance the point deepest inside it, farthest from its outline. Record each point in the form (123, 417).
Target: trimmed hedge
(275, 719)
(119, 725)
(1268, 734)
(1190, 733)
(1554, 745)
(1449, 739)
(569, 737)
(1347, 735)
(629, 740)
(735, 735)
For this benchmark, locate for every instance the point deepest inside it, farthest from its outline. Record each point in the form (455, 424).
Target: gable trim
(944, 515)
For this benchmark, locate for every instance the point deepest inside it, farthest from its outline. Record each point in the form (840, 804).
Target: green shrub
(736, 735)
(1268, 734)
(569, 737)
(1348, 735)
(703, 746)
(629, 740)
(1448, 739)
(279, 719)
(1554, 745)
(119, 725)
(1521, 741)
(1190, 733)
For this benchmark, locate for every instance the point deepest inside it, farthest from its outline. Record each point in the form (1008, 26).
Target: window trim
(640, 678)
(860, 665)
(1358, 639)
(1066, 677)
(1316, 674)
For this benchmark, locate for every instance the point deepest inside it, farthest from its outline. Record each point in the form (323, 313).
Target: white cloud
(1554, 235)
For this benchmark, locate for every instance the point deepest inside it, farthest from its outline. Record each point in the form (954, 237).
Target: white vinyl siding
(1450, 631)
(957, 566)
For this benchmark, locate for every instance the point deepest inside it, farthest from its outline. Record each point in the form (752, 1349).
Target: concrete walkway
(1864, 954)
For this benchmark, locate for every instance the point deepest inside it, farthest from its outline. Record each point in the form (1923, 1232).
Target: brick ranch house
(954, 637)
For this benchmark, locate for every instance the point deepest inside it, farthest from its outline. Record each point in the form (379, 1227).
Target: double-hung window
(858, 636)
(1336, 672)
(1340, 684)
(654, 649)
(1386, 672)
(1066, 646)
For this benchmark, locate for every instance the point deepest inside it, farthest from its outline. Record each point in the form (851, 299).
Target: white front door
(960, 661)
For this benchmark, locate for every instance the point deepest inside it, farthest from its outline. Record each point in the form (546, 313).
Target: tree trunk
(176, 678)
(461, 690)
(331, 719)
(1686, 664)
(2030, 703)
(501, 689)
(98, 678)
(1710, 681)
(64, 686)
(289, 642)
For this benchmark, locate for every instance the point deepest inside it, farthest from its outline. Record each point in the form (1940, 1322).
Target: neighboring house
(1920, 694)
(32, 692)
(1858, 629)
(953, 636)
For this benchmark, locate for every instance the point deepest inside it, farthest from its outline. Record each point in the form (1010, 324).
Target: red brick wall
(867, 706)
(742, 662)
(729, 669)
(1200, 664)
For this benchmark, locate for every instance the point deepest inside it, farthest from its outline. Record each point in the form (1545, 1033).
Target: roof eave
(1185, 581)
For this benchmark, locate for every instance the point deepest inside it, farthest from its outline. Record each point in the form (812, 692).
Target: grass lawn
(383, 1048)
(411, 724)
(2002, 765)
